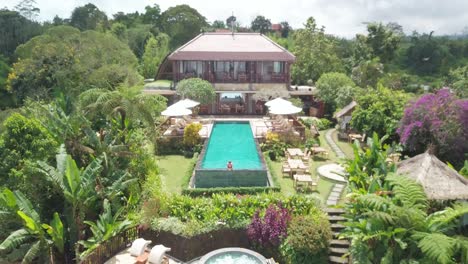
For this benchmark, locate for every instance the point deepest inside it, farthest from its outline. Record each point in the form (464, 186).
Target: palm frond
(15, 239)
(32, 253)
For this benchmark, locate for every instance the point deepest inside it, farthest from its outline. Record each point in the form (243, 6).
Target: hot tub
(233, 255)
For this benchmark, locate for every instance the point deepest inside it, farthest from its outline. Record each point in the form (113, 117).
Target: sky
(343, 18)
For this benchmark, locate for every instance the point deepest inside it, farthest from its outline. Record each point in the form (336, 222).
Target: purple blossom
(271, 229)
(439, 120)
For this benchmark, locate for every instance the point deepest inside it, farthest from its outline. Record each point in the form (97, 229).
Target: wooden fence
(111, 247)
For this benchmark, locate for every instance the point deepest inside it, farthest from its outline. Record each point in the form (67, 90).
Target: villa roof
(228, 46)
(439, 181)
(346, 109)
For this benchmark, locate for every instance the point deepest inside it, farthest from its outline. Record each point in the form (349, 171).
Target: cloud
(340, 17)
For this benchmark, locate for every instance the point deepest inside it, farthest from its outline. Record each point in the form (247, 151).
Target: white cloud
(340, 17)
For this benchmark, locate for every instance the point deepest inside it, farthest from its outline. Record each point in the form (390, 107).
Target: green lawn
(172, 169)
(344, 146)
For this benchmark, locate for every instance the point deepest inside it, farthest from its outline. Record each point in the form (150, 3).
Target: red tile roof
(228, 46)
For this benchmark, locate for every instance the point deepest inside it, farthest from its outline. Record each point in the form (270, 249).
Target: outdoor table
(354, 136)
(294, 152)
(295, 164)
(302, 178)
(317, 150)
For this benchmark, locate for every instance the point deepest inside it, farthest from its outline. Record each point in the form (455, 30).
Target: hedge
(207, 192)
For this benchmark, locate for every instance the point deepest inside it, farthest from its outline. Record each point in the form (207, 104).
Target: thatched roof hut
(439, 181)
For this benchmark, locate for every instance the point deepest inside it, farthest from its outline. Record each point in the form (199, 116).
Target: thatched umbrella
(439, 181)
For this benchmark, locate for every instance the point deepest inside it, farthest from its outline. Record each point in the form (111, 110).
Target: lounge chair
(286, 170)
(157, 254)
(139, 246)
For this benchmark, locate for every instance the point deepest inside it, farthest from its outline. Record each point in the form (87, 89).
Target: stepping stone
(331, 202)
(338, 185)
(335, 211)
(334, 196)
(341, 251)
(335, 193)
(337, 226)
(336, 218)
(339, 260)
(339, 242)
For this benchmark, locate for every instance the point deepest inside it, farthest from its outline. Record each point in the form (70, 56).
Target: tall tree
(218, 24)
(285, 29)
(28, 9)
(379, 110)
(336, 90)
(152, 15)
(315, 54)
(230, 20)
(261, 24)
(182, 23)
(368, 73)
(66, 60)
(15, 29)
(426, 55)
(89, 17)
(383, 40)
(155, 51)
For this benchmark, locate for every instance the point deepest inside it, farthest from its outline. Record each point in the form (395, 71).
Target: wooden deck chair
(285, 169)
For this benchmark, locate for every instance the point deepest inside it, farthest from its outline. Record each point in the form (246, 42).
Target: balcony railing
(240, 77)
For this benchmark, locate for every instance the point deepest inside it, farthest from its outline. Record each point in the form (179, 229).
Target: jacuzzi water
(231, 141)
(233, 258)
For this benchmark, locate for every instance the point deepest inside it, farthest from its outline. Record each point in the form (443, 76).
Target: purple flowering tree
(438, 122)
(270, 230)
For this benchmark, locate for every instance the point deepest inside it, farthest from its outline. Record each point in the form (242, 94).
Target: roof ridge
(277, 45)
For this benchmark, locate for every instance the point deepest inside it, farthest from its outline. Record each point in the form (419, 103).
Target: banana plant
(77, 187)
(107, 226)
(35, 241)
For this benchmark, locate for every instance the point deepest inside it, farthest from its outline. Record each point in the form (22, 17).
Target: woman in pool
(229, 165)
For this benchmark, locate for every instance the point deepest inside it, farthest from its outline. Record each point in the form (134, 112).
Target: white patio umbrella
(186, 103)
(284, 109)
(176, 111)
(277, 102)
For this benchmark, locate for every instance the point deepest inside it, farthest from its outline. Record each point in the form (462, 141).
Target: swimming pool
(231, 141)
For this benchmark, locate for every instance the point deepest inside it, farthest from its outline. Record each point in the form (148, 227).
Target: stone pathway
(335, 194)
(333, 145)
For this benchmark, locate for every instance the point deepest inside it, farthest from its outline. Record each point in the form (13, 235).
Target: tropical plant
(77, 188)
(129, 104)
(107, 226)
(35, 241)
(438, 122)
(368, 169)
(393, 226)
(196, 89)
(261, 24)
(156, 50)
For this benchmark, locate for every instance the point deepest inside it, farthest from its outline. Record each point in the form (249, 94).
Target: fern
(445, 220)
(437, 246)
(406, 190)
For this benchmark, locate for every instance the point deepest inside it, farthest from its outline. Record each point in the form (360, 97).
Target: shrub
(308, 239)
(268, 231)
(197, 89)
(273, 146)
(169, 146)
(191, 136)
(208, 192)
(438, 121)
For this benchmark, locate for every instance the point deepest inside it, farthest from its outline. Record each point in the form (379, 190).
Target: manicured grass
(172, 169)
(346, 147)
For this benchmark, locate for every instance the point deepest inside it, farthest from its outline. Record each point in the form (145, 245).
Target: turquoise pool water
(233, 258)
(231, 141)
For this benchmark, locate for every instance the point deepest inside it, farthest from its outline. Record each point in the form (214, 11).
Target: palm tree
(35, 240)
(77, 188)
(127, 103)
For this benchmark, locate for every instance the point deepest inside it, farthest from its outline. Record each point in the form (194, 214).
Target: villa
(245, 69)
